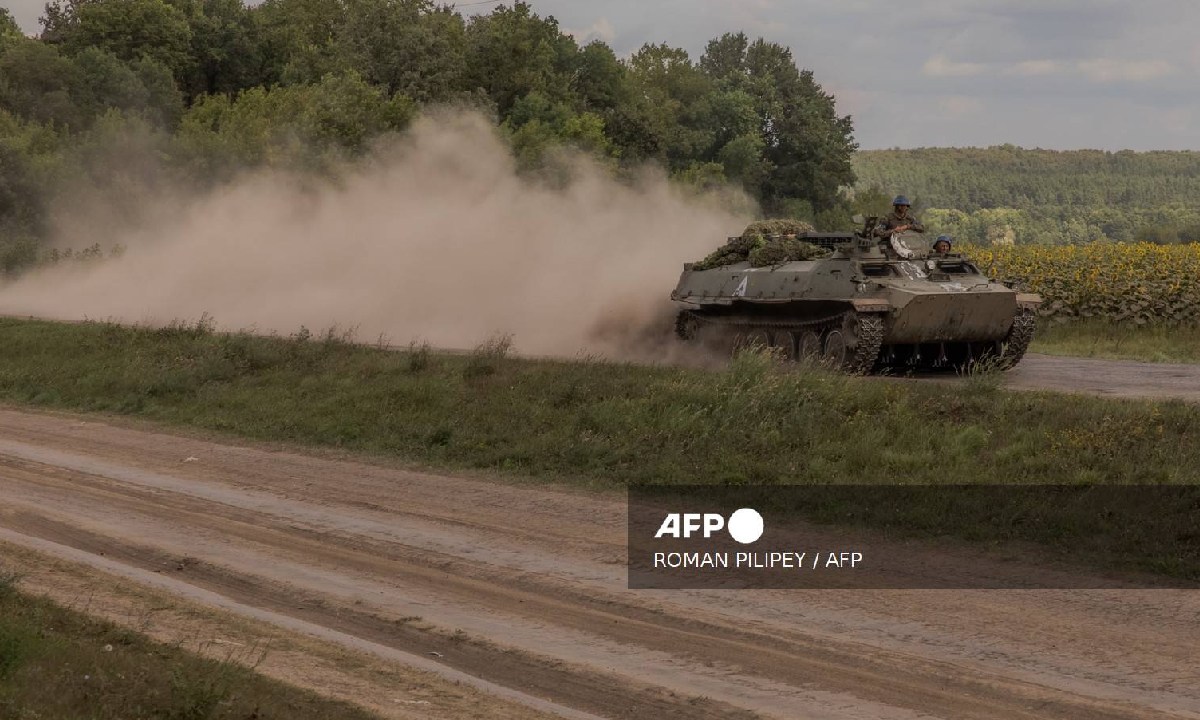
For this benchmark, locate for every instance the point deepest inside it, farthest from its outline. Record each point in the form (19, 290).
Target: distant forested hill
(1008, 193)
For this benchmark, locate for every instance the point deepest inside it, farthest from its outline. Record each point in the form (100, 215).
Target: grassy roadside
(1103, 339)
(58, 663)
(608, 425)
(600, 422)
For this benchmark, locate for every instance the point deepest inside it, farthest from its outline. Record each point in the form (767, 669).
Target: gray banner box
(917, 537)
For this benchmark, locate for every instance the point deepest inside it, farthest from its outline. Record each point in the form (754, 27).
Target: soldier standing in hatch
(899, 220)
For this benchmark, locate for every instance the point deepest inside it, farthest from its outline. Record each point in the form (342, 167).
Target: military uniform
(893, 220)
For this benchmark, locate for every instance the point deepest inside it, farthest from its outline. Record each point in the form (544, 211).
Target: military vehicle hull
(863, 309)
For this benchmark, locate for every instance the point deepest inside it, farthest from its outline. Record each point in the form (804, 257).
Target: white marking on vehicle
(912, 271)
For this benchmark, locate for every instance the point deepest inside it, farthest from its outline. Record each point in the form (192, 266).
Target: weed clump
(15, 641)
(985, 377)
(335, 336)
(14, 648)
(8, 584)
(198, 697)
(487, 357)
(203, 327)
(419, 356)
(309, 351)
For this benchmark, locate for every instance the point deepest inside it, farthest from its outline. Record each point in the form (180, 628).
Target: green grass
(58, 663)
(609, 425)
(1120, 341)
(604, 423)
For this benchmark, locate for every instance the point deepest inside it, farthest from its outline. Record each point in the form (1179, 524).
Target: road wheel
(784, 344)
(747, 339)
(808, 346)
(835, 347)
(687, 325)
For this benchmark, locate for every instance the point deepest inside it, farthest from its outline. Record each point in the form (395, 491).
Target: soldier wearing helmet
(900, 220)
(943, 244)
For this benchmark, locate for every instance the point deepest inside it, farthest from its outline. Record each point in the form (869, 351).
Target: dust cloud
(435, 238)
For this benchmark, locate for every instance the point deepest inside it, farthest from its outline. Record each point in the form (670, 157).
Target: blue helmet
(901, 200)
(944, 238)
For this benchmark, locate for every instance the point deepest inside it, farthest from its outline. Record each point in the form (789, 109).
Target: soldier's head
(942, 244)
(900, 205)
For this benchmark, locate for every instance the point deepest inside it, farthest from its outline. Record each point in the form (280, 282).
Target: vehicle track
(1111, 378)
(524, 588)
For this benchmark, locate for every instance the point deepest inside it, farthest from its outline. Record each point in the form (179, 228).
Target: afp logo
(745, 525)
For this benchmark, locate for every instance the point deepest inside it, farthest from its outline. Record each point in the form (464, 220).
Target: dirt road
(519, 592)
(1115, 378)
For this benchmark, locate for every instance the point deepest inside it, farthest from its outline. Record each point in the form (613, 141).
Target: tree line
(1010, 194)
(210, 87)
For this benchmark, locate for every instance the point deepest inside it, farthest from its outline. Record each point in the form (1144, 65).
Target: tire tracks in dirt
(522, 587)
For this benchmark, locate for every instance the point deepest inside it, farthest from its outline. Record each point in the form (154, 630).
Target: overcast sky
(1057, 74)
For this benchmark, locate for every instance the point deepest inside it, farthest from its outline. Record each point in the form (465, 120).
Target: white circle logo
(746, 525)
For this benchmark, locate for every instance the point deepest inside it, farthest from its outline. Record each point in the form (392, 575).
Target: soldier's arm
(916, 226)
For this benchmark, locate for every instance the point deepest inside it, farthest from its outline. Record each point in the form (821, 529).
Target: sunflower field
(1139, 283)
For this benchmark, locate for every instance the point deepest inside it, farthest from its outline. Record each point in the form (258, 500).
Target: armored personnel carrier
(874, 302)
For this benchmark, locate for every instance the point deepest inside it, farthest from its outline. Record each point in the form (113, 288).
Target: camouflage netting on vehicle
(784, 249)
(767, 242)
(767, 228)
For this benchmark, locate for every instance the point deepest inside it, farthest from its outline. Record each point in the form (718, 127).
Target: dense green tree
(104, 81)
(20, 197)
(345, 112)
(164, 102)
(37, 83)
(668, 108)
(300, 124)
(406, 46)
(144, 87)
(807, 144)
(724, 58)
(9, 30)
(743, 161)
(513, 52)
(28, 155)
(730, 114)
(118, 161)
(227, 47)
(129, 29)
(299, 39)
(537, 125)
(599, 80)
(58, 19)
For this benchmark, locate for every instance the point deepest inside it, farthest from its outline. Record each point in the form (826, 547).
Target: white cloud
(1030, 68)
(941, 66)
(1098, 70)
(602, 29)
(1107, 70)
